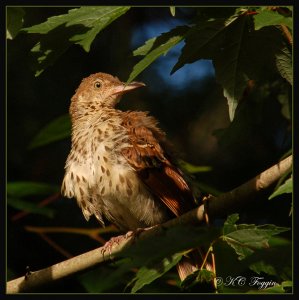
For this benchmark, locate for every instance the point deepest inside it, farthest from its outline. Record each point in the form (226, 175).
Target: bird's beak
(124, 88)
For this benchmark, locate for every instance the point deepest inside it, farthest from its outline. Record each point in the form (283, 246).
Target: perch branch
(215, 206)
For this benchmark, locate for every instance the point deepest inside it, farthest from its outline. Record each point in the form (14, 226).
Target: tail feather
(191, 263)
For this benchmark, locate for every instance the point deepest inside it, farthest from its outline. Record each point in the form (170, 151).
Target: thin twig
(287, 34)
(55, 245)
(91, 232)
(44, 202)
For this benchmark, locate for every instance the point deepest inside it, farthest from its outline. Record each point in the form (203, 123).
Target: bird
(120, 167)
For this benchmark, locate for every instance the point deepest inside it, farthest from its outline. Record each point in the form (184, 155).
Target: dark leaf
(20, 189)
(29, 207)
(56, 130)
(15, 21)
(148, 274)
(198, 277)
(283, 58)
(246, 238)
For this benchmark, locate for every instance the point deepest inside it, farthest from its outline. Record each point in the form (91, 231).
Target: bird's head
(99, 90)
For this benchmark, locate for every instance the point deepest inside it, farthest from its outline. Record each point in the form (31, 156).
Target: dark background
(189, 106)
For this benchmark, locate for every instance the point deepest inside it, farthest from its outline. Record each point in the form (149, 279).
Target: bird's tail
(192, 262)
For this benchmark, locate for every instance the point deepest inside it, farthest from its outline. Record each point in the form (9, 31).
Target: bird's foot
(119, 239)
(112, 243)
(136, 233)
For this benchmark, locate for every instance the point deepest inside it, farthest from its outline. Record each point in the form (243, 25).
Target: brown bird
(119, 167)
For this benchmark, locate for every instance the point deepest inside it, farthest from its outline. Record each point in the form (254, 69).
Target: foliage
(286, 187)
(251, 51)
(18, 191)
(157, 255)
(56, 130)
(14, 21)
(79, 26)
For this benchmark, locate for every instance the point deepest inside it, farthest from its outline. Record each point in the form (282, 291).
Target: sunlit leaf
(56, 130)
(286, 187)
(190, 168)
(269, 17)
(97, 18)
(156, 47)
(78, 26)
(172, 10)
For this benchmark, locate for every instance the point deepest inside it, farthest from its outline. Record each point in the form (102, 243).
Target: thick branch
(216, 206)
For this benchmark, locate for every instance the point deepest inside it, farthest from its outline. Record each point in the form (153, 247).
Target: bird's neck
(91, 116)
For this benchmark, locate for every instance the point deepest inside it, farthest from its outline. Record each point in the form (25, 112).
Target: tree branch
(214, 206)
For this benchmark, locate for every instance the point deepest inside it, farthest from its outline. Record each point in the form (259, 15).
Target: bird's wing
(154, 167)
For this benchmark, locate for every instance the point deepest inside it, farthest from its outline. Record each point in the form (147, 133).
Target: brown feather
(153, 163)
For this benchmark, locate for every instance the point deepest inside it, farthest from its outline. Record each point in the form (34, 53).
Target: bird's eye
(97, 84)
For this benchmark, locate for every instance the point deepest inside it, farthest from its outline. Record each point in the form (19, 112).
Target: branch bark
(214, 206)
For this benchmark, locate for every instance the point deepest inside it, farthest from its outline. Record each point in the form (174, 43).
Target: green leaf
(286, 187)
(156, 47)
(97, 19)
(192, 168)
(168, 242)
(201, 42)
(30, 207)
(229, 68)
(239, 54)
(221, 40)
(262, 266)
(284, 63)
(56, 130)
(229, 224)
(265, 261)
(107, 277)
(78, 26)
(50, 47)
(148, 274)
(94, 17)
(284, 287)
(172, 10)
(15, 21)
(20, 189)
(246, 238)
(153, 255)
(146, 48)
(269, 17)
(198, 277)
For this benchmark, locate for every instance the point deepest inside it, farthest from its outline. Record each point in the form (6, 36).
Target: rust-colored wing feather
(147, 155)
